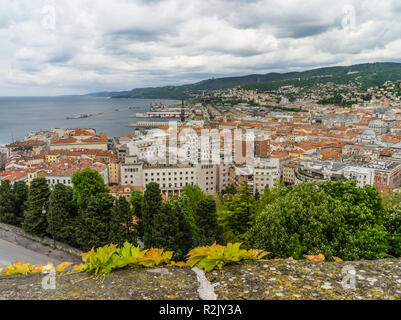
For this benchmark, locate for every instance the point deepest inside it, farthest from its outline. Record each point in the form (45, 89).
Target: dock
(151, 124)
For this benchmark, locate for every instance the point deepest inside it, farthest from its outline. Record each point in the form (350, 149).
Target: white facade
(265, 174)
(362, 176)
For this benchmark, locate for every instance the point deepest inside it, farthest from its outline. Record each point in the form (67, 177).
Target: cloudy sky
(51, 47)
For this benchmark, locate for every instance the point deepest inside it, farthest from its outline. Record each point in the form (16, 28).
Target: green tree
(137, 204)
(7, 201)
(240, 215)
(93, 227)
(173, 232)
(121, 223)
(392, 223)
(190, 196)
(152, 204)
(20, 190)
(87, 181)
(35, 221)
(206, 220)
(231, 189)
(335, 219)
(62, 213)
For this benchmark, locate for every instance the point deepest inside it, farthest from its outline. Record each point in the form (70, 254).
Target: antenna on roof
(12, 137)
(182, 111)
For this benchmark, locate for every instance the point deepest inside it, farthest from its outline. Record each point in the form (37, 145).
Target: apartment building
(171, 178)
(266, 173)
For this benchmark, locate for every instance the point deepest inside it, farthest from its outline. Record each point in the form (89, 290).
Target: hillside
(370, 74)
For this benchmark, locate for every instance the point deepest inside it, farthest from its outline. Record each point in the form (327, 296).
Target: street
(10, 252)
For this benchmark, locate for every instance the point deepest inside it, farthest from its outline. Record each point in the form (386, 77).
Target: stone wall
(285, 279)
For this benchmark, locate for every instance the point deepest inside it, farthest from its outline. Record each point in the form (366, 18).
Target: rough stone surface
(380, 279)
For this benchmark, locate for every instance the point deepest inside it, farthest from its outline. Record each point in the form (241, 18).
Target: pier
(151, 124)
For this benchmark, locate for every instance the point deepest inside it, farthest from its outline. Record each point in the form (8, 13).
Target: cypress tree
(7, 201)
(62, 214)
(173, 232)
(121, 223)
(206, 220)
(152, 204)
(93, 227)
(20, 190)
(137, 204)
(35, 221)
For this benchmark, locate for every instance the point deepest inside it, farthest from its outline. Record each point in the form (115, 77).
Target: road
(10, 252)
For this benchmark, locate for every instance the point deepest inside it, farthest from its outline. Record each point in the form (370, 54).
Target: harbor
(87, 115)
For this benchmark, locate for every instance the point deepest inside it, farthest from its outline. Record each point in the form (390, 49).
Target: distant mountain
(368, 74)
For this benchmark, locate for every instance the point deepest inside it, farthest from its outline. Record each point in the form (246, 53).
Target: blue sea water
(19, 115)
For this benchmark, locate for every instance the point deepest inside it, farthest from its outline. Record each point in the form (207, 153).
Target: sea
(20, 115)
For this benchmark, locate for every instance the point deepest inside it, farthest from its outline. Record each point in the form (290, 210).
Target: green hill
(369, 74)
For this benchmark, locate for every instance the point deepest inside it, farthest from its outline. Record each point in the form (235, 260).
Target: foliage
(331, 218)
(109, 257)
(87, 182)
(172, 230)
(137, 204)
(240, 214)
(231, 189)
(35, 221)
(152, 204)
(206, 220)
(7, 200)
(392, 224)
(18, 268)
(121, 223)
(216, 256)
(62, 213)
(12, 202)
(190, 196)
(93, 223)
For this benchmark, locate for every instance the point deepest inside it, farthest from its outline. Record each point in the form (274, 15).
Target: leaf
(318, 257)
(178, 264)
(337, 259)
(62, 266)
(77, 267)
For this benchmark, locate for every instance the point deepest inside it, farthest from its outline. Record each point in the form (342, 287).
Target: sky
(54, 47)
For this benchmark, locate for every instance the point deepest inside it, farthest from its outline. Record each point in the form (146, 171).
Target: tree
(62, 213)
(333, 218)
(137, 204)
(231, 189)
(87, 181)
(93, 227)
(152, 204)
(190, 196)
(35, 221)
(121, 223)
(20, 190)
(206, 221)
(240, 214)
(173, 232)
(257, 195)
(7, 202)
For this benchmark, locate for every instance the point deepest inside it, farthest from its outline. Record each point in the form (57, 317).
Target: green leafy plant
(216, 256)
(109, 257)
(18, 268)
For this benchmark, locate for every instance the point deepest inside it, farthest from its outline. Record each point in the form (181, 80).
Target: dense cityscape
(207, 150)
